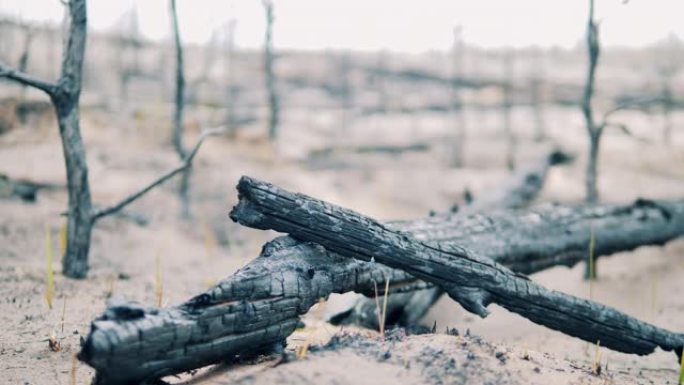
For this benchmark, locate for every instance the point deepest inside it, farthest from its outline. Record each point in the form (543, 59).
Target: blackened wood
(468, 277)
(406, 309)
(260, 304)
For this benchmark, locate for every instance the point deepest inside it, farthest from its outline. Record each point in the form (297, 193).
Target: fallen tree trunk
(260, 305)
(469, 278)
(408, 308)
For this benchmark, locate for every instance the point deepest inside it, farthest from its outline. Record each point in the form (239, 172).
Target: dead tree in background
(229, 76)
(537, 97)
(26, 51)
(65, 95)
(129, 43)
(594, 130)
(346, 89)
(179, 105)
(507, 105)
(666, 76)
(457, 105)
(273, 103)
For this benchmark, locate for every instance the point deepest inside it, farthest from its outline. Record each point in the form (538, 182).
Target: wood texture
(407, 308)
(470, 278)
(260, 305)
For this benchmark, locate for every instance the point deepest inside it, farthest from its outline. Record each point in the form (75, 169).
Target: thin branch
(187, 163)
(625, 130)
(26, 79)
(630, 104)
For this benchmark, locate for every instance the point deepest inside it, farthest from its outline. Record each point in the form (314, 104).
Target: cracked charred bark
(406, 309)
(468, 276)
(260, 305)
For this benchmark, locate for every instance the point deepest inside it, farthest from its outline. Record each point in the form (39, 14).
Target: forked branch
(26, 79)
(187, 163)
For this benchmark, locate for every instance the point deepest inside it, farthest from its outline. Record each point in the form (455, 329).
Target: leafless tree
(229, 75)
(65, 96)
(273, 102)
(346, 89)
(457, 105)
(668, 67)
(537, 97)
(593, 128)
(23, 67)
(179, 105)
(128, 52)
(511, 140)
(381, 81)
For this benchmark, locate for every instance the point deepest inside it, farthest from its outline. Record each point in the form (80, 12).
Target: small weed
(74, 366)
(110, 287)
(158, 285)
(210, 242)
(384, 309)
(654, 294)
(49, 279)
(681, 371)
(596, 366)
(526, 354)
(63, 314)
(592, 262)
(301, 350)
(381, 312)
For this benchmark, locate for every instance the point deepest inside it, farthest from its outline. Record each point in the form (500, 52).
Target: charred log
(260, 305)
(468, 276)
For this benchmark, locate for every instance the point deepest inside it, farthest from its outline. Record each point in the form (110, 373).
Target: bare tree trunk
(273, 103)
(65, 96)
(594, 130)
(229, 74)
(668, 104)
(179, 105)
(23, 66)
(66, 101)
(537, 99)
(346, 89)
(179, 98)
(592, 168)
(511, 140)
(457, 106)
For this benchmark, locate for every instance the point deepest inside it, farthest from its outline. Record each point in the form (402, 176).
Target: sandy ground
(124, 155)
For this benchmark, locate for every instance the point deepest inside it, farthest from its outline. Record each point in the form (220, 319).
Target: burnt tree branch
(470, 278)
(408, 308)
(260, 304)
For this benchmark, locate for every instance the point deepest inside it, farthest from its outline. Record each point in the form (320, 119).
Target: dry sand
(194, 254)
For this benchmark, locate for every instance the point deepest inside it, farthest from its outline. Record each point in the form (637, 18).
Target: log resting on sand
(260, 305)
(468, 276)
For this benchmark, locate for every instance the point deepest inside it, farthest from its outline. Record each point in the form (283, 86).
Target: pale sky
(398, 25)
